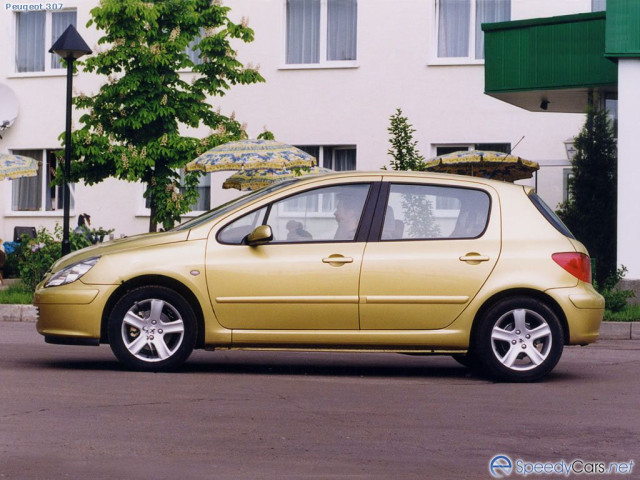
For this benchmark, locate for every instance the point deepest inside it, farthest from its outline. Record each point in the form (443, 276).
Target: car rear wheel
(519, 339)
(152, 329)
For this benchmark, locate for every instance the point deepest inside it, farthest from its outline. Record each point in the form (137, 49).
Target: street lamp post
(70, 46)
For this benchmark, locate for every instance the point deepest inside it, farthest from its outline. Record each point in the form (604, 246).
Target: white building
(374, 56)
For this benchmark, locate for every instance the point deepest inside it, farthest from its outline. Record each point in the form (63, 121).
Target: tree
(403, 148)
(417, 209)
(132, 128)
(591, 211)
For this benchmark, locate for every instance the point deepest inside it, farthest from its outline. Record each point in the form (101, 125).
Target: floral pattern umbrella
(480, 163)
(251, 155)
(17, 166)
(246, 180)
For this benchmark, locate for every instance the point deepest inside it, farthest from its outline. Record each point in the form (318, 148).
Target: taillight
(577, 264)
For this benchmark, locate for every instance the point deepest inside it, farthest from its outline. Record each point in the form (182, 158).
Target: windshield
(232, 205)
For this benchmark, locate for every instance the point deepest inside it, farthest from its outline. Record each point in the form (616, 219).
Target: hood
(121, 245)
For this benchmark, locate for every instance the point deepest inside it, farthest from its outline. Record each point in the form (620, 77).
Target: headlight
(71, 273)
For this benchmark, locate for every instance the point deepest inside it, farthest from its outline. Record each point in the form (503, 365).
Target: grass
(631, 313)
(15, 294)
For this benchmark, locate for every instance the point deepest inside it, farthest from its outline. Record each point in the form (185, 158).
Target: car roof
(408, 175)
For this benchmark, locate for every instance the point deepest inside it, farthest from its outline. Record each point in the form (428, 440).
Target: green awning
(550, 64)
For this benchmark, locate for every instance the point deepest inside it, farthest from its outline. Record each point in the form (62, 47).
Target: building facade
(335, 71)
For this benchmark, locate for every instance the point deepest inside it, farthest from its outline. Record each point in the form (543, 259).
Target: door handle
(337, 260)
(474, 258)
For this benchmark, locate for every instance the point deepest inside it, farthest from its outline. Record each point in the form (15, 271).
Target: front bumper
(71, 313)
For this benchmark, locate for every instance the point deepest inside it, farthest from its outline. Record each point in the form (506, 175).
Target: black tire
(152, 329)
(519, 339)
(466, 360)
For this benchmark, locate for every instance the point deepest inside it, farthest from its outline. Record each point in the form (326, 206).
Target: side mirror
(261, 235)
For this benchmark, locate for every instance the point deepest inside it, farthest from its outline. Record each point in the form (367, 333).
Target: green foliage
(591, 212)
(418, 216)
(131, 129)
(86, 237)
(615, 298)
(631, 313)
(16, 294)
(36, 255)
(403, 148)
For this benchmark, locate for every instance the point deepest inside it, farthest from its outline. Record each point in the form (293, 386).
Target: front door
(307, 278)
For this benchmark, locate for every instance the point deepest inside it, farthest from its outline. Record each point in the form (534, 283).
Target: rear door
(437, 245)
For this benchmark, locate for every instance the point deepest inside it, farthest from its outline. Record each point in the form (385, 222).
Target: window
(413, 213)
(340, 158)
(492, 147)
(567, 175)
(204, 193)
(321, 31)
(459, 26)
(192, 51)
(36, 194)
(35, 33)
(320, 215)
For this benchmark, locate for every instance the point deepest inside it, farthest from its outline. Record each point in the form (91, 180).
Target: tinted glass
(433, 212)
(550, 215)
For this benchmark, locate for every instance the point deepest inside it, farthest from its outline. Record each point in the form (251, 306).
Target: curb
(18, 313)
(608, 330)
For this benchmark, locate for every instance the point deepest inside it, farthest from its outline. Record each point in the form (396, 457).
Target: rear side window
(550, 215)
(426, 212)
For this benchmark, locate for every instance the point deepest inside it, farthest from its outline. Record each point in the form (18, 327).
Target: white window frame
(44, 192)
(144, 211)
(470, 58)
(326, 153)
(323, 63)
(461, 146)
(48, 26)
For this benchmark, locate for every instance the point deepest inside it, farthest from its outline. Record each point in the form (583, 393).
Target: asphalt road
(72, 412)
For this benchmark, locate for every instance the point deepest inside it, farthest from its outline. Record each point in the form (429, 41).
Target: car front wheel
(152, 329)
(519, 339)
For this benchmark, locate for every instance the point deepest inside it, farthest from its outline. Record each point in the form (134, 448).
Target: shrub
(36, 255)
(615, 298)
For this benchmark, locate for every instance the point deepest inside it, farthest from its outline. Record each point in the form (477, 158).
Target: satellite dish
(8, 107)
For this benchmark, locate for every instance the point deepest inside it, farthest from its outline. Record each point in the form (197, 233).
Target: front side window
(459, 26)
(37, 194)
(321, 31)
(320, 215)
(35, 33)
(426, 212)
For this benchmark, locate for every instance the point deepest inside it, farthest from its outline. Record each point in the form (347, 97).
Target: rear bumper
(583, 308)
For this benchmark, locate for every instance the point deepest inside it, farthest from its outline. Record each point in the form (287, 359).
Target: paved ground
(71, 412)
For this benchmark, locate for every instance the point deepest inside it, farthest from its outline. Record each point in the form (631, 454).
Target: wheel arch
(153, 280)
(522, 292)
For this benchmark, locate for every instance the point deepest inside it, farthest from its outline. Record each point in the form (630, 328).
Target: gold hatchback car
(415, 263)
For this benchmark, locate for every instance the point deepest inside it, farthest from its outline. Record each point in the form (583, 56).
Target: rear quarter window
(550, 215)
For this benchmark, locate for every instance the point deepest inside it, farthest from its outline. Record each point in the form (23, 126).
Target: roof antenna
(514, 147)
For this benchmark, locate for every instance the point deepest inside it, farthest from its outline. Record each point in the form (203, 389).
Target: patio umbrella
(480, 163)
(251, 155)
(17, 166)
(245, 180)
